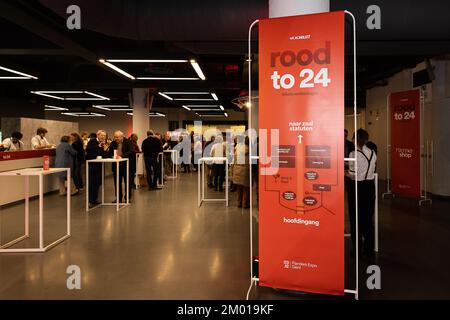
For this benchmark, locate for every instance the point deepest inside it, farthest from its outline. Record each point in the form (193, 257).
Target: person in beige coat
(241, 174)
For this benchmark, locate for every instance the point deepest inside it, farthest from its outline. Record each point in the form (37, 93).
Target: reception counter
(12, 188)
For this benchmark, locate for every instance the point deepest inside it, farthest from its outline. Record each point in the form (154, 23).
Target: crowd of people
(74, 149)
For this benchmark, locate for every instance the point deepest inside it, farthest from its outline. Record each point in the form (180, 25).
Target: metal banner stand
(255, 280)
(201, 180)
(424, 152)
(40, 173)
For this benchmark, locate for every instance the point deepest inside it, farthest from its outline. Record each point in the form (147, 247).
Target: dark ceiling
(35, 40)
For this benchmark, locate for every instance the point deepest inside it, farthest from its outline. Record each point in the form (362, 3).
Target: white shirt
(364, 169)
(10, 146)
(198, 146)
(218, 151)
(37, 141)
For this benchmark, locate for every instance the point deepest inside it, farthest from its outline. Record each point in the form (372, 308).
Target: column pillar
(283, 8)
(141, 107)
(440, 130)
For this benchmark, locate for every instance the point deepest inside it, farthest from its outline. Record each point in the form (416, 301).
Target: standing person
(198, 150)
(366, 160)
(134, 140)
(209, 171)
(151, 147)
(125, 150)
(193, 139)
(65, 158)
(39, 142)
(218, 151)
(96, 147)
(14, 143)
(349, 183)
(84, 138)
(185, 163)
(77, 144)
(241, 173)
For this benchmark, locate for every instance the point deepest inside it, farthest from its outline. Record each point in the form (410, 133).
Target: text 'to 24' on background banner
(301, 93)
(405, 143)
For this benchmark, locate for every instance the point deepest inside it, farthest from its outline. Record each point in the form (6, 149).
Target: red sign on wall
(405, 143)
(301, 93)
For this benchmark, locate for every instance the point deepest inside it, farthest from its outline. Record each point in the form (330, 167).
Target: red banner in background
(405, 143)
(301, 93)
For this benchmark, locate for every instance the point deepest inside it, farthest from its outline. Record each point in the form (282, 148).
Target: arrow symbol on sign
(300, 139)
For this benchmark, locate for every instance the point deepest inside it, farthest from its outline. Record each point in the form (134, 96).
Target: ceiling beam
(36, 52)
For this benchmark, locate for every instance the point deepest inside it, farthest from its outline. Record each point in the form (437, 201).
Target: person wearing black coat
(151, 147)
(125, 149)
(77, 144)
(96, 147)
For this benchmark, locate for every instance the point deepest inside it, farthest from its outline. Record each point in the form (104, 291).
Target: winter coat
(65, 156)
(241, 171)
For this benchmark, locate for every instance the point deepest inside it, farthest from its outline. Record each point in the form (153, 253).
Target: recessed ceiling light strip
(197, 69)
(117, 69)
(165, 96)
(29, 76)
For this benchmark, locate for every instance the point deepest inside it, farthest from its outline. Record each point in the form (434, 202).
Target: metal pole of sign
(423, 173)
(376, 212)
(356, 291)
(388, 148)
(252, 278)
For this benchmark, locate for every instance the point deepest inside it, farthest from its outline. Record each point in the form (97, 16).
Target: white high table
(40, 173)
(201, 184)
(175, 156)
(118, 205)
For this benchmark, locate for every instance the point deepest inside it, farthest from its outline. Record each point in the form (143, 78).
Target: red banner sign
(301, 93)
(405, 143)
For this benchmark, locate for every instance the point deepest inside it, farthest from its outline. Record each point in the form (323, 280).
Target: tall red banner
(405, 143)
(301, 93)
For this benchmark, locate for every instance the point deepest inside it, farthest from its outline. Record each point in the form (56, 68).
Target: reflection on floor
(164, 247)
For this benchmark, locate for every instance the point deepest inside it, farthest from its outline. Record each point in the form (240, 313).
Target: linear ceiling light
(151, 114)
(197, 69)
(161, 78)
(200, 109)
(23, 75)
(202, 106)
(193, 99)
(46, 95)
(225, 114)
(52, 94)
(157, 114)
(117, 69)
(178, 92)
(165, 96)
(113, 107)
(83, 114)
(215, 96)
(54, 108)
(144, 61)
(186, 108)
(221, 108)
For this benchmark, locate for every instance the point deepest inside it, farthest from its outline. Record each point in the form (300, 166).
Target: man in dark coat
(151, 147)
(96, 147)
(125, 149)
